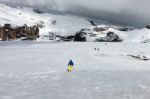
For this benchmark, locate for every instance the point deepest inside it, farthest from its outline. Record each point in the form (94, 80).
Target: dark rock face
(38, 11)
(66, 38)
(32, 32)
(80, 36)
(125, 29)
(110, 37)
(7, 32)
(148, 26)
(70, 37)
(146, 41)
(100, 29)
(54, 22)
(92, 23)
(140, 57)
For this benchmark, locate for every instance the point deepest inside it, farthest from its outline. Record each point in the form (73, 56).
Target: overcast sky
(133, 12)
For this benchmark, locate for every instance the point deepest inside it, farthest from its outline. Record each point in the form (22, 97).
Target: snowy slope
(64, 24)
(142, 35)
(34, 70)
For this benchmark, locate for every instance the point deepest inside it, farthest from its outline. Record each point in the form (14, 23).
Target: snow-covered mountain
(65, 25)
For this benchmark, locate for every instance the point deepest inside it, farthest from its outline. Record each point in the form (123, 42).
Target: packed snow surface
(37, 70)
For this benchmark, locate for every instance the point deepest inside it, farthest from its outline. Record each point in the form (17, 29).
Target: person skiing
(70, 66)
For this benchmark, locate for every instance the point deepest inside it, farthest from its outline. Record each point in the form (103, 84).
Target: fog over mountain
(128, 12)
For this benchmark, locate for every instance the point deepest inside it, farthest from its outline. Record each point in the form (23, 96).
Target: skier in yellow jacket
(70, 66)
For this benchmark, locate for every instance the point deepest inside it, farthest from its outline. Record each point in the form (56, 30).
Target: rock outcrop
(148, 26)
(80, 36)
(7, 32)
(101, 33)
(110, 37)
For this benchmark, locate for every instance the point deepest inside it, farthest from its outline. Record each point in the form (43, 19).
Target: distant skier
(70, 66)
(96, 49)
